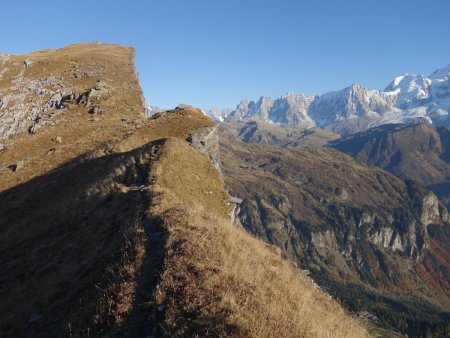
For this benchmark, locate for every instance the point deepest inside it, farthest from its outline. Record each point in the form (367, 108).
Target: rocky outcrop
(38, 94)
(101, 88)
(28, 99)
(206, 141)
(430, 210)
(324, 240)
(235, 203)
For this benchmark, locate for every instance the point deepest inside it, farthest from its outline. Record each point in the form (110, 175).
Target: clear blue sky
(217, 52)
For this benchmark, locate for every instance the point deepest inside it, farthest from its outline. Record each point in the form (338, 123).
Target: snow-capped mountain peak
(407, 99)
(409, 89)
(441, 73)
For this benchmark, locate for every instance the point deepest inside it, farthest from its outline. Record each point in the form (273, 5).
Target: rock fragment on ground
(57, 139)
(17, 166)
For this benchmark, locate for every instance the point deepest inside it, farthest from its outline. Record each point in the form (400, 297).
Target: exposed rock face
(39, 88)
(430, 210)
(27, 63)
(206, 141)
(28, 98)
(100, 89)
(17, 166)
(290, 109)
(358, 203)
(235, 203)
(324, 240)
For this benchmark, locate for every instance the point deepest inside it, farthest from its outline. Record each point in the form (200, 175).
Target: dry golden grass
(121, 126)
(217, 279)
(118, 296)
(66, 214)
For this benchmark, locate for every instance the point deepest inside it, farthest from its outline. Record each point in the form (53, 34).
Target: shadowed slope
(76, 234)
(72, 234)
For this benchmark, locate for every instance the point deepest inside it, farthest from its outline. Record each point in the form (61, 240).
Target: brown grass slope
(218, 280)
(72, 239)
(419, 152)
(119, 126)
(76, 234)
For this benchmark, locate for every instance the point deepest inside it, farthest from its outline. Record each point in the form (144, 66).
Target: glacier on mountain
(407, 99)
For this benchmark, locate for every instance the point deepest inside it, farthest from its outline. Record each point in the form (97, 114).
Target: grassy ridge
(217, 279)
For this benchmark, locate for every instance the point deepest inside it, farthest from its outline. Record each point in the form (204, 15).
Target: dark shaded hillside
(76, 237)
(348, 224)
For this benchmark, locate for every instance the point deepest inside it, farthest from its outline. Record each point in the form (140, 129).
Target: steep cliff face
(349, 224)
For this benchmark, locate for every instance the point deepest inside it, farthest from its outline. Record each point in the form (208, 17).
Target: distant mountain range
(407, 99)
